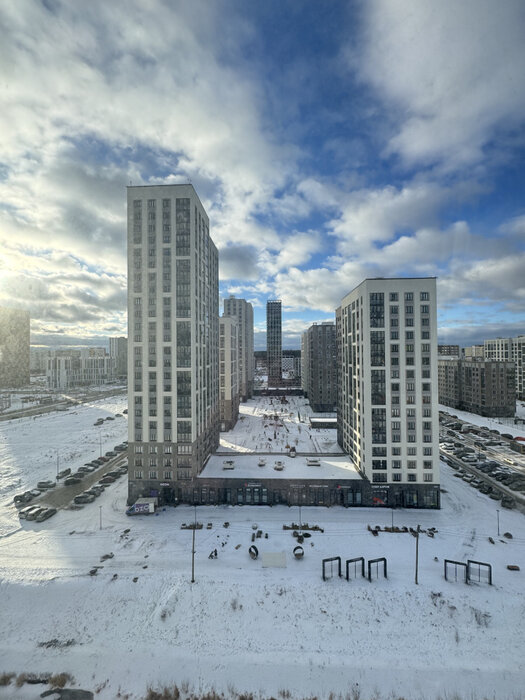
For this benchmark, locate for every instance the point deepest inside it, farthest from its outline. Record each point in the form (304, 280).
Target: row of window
(378, 478)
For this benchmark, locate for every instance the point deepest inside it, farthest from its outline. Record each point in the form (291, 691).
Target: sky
(329, 142)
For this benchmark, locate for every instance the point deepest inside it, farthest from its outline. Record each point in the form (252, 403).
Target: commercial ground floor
(240, 491)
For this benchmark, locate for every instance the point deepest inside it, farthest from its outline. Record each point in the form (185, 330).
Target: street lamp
(497, 513)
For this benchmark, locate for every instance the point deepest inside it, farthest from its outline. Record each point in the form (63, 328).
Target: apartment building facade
(485, 387)
(228, 372)
(274, 342)
(319, 366)
(509, 349)
(68, 369)
(173, 340)
(242, 311)
(118, 351)
(388, 399)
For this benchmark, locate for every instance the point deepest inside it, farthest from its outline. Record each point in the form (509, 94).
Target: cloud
(451, 73)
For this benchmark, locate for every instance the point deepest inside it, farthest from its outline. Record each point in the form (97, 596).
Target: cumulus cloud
(450, 72)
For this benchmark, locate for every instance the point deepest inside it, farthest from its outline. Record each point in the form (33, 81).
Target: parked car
(48, 484)
(97, 462)
(48, 512)
(32, 515)
(84, 498)
(111, 453)
(107, 480)
(125, 411)
(22, 513)
(103, 459)
(22, 498)
(72, 480)
(110, 417)
(120, 448)
(123, 469)
(62, 474)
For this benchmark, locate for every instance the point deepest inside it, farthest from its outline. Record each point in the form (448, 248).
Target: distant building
(509, 349)
(485, 387)
(473, 352)
(228, 372)
(173, 341)
(448, 351)
(14, 348)
(319, 371)
(38, 359)
(291, 364)
(387, 416)
(118, 351)
(242, 310)
(67, 369)
(274, 343)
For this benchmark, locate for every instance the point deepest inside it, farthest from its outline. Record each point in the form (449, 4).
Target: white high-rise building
(388, 388)
(118, 351)
(173, 341)
(228, 371)
(242, 311)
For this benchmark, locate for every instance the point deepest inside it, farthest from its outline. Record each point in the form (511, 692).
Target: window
(379, 464)
(423, 296)
(168, 475)
(393, 296)
(427, 464)
(411, 464)
(153, 475)
(411, 477)
(427, 477)
(425, 309)
(409, 296)
(379, 478)
(396, 477)
(138, 474)
(396, 464)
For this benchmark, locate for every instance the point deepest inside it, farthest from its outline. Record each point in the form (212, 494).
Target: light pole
(417, 552)
(100, 516)
(300, 519)
(57, 463)
(497, 513)
(193, 546)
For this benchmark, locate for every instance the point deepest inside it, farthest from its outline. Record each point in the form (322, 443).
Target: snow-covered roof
(247, 467)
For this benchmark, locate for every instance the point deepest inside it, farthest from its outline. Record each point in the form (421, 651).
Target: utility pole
(100, 515)
(417, 552)
(193, 547)
(497, 513)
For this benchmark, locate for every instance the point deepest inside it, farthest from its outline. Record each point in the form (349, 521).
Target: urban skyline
(375, 139)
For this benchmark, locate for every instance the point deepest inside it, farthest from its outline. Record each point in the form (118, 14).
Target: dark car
(107, 480)
(22, 498)
(48, 512)
(72, 480)
(103, 459)
(64, 473)
(48, 484)
(32, 515)
(125, 411)
(84, 498)
(111, 453)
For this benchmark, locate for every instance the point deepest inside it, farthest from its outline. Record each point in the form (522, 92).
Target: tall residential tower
(274, 343)
(388, 388)
(242, 311)
(173, 340)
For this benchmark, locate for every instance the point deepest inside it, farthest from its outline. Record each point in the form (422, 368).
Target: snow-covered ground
(140, 621)
(504, 425)
(257, 431)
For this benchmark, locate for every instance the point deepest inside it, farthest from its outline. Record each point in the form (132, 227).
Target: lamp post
(57, 463)
(100, 516)
(497, 513)
(193, 546)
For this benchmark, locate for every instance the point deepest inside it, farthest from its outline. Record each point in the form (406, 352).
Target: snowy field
(242, 627)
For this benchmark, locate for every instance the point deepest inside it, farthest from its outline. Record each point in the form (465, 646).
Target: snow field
(241, 626)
